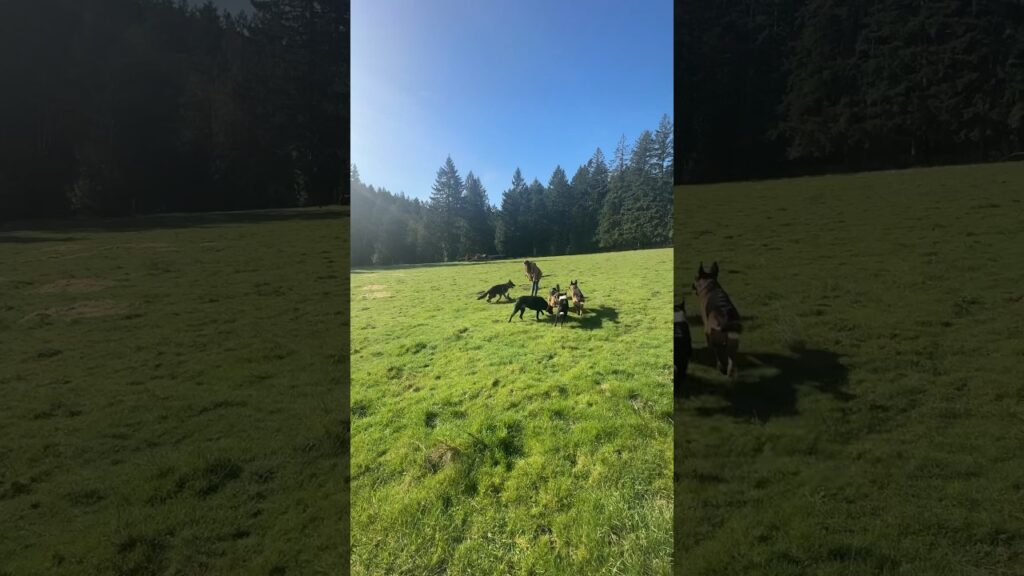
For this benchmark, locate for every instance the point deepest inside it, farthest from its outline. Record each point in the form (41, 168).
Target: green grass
(878, 425)
(481, 446)
(171, 395)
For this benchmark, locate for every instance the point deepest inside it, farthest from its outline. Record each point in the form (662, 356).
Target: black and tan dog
(553, 296)
(722, 325)
(498, 290)
(561, 310)
(524, 303)
(577, 296)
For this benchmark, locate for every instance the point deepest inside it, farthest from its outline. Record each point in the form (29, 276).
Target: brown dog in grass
(553, 296)
(577, 296)
(722, 325)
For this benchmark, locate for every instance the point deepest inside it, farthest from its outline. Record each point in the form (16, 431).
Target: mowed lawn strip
(878, 424)
(481, 446)
(172, 395)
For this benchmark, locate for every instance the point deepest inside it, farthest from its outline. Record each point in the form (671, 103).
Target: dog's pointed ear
(714, 269)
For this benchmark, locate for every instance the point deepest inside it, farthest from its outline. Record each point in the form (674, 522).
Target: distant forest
(622, 203)
(789, 87)
(141, 106)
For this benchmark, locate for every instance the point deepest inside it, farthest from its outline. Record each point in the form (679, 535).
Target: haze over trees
(626, 204)
(141, 106)
(801, 86)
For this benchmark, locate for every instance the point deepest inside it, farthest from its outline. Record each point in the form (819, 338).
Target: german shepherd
(498, 290)
(577, 296)
(553, 296)
(562, 311)
(530, 302)
(682, 350)
(722, 325)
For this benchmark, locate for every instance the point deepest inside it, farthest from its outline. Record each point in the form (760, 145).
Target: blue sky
(502, 83)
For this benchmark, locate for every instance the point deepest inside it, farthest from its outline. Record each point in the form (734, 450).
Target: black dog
(533, 303)
(563, 309)
(498, 290)
(683, 349)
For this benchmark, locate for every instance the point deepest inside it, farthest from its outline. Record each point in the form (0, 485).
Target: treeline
(801, 86)
(624, 203)
(143, 106)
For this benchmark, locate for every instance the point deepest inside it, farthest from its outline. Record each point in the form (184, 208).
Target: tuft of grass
(483, 446)
(876, 425)
(171, 394)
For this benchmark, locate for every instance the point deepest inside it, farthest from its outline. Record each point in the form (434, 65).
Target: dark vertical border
(681, 336)
(345, 352)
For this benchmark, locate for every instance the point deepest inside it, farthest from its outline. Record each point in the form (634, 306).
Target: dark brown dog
(682, 349)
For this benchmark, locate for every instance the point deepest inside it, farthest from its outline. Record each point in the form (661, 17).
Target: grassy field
(171, 395)
(481, 446)
(878, 424)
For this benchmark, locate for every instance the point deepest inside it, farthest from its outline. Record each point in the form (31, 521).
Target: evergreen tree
(559, 212)
(539, 224)
(512, 232)
(446, 202)
(581, 228)
(477, 215)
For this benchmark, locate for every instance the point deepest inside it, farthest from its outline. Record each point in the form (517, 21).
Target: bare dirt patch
(440, 457)
(84, 309)
(75, 286)
(375, 291)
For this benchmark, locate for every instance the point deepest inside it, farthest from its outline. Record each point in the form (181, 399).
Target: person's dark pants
(536, 288)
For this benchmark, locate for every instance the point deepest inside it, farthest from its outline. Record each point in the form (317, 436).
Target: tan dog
(533, 274)
(553, 295)
(722, 325)
(577, 296)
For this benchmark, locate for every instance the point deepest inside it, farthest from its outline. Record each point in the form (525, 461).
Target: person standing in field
(533, 273)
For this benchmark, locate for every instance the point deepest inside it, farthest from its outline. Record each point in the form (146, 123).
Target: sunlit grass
(481, 446)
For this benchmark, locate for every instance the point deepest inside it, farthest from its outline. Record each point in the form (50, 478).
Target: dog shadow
(594, 318)
(765, 397)
(696, 320)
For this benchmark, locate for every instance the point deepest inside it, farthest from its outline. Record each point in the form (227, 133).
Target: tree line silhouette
(791, 87)
(626, 204)
(143, 106)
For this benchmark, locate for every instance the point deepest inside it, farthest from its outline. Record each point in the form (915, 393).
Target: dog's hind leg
(732, 350)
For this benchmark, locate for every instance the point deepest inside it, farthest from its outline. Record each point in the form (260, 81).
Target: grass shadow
(512, 261)
(179, 220)
(10, 239)
(375, 269)
(593, 318)
(696, 320)
(764, 397)
(501, 301)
